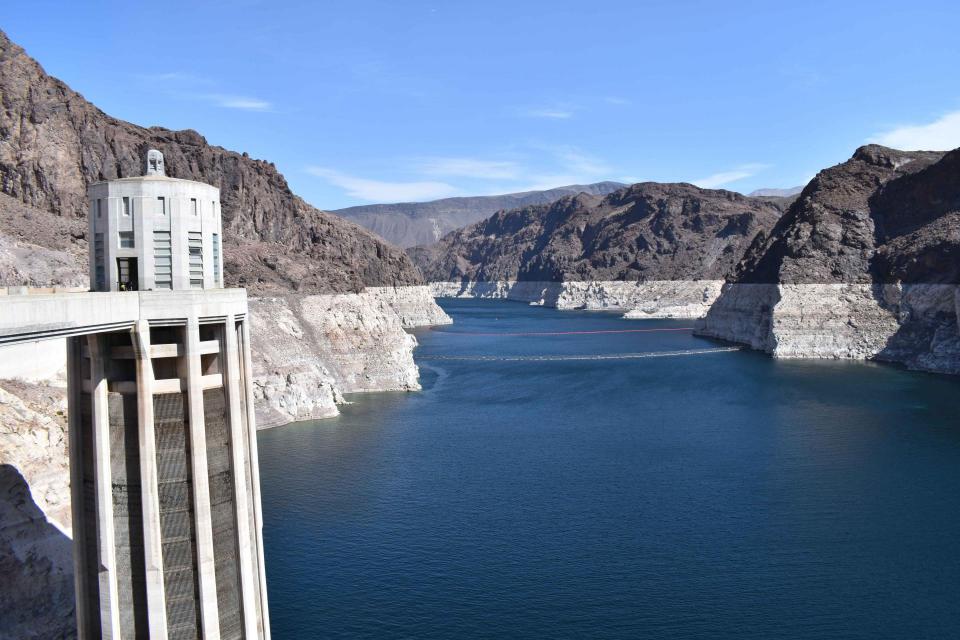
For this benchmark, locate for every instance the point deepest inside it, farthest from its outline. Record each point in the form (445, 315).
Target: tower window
(216, 259)
(195, 242)
(194, 209)
(98, 258)
(126, 239)
(162, 260)
(99, 207)
(163, 205)
(126, 206)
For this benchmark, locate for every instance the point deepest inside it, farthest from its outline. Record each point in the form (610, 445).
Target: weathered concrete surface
(39, 361)
(652, 299)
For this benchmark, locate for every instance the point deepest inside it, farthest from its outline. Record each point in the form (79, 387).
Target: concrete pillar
(251, 426)
(75, 445)
(238, 439)
(109, 609)
(210, 620)
(152, 543)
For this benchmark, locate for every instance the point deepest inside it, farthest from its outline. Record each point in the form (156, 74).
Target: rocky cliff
(36, 557)
(865, 264)
(660, 250)
(310, 350)
(408, 224)
(53, 143)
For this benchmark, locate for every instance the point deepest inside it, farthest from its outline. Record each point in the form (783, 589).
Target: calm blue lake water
(723, 495)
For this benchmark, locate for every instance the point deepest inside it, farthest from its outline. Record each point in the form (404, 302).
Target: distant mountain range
(408, 224)
(647, 231)
(776, 193)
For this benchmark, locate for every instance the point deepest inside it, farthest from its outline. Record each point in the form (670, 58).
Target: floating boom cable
(560, 358)
(559, 333)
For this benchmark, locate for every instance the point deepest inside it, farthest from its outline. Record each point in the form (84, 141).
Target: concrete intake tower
(164, 476)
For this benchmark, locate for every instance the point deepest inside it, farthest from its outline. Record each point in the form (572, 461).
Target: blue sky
(365, 101)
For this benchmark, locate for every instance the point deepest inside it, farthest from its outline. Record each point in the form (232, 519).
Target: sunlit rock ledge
(915, 325)
(310, 350)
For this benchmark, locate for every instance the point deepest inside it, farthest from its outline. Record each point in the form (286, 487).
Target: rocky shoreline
(310, 350)
(915, 325)
(654, 299)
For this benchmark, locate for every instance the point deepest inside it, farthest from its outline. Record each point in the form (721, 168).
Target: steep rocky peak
(913, 200)
(888, 158)
(837, 228)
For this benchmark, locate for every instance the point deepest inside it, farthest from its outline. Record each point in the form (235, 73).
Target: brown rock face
(647, 231)
(53, 143)
(883, 216)
(408, 224)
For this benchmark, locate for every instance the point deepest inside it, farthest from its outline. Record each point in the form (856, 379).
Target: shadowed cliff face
(882, 216)
(865, 264)
(53, 143)
(647, 231)
(36, 565)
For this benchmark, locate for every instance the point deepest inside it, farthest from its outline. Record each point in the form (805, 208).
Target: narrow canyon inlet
(638, 482)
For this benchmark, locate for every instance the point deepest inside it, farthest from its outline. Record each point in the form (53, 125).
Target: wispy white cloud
(722, 178)
(383, 191)
(943, 134)
(187, 86)
(471, 168)
(581, 163)
(181, 77)
(550, 181)
(237, 102)
(616, 100)
(537, 168)
(556, 113)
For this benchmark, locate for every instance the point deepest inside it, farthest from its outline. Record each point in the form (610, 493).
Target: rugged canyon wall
(408, 224)
(651, 250)
(865, 264)
(644, 232)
